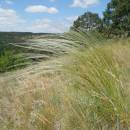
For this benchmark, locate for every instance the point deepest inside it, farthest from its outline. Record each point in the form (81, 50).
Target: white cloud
(71, 18)
(84, 3)
(8, 1)
(41, 9)
(9, 20)
(46, 25)
(51, 0)
(39, 25)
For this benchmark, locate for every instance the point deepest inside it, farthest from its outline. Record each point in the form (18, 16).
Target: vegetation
(88, 89)
(83, 85)
(87, 22)
(12, 37)
(115, 23)
(117, 17)
(9, 61)
(13, 53)
(12, 57)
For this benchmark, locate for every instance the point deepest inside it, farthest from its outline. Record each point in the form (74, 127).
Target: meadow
(82, 85)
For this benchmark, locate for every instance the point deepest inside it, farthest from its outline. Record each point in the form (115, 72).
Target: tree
(117, 17)
(88, 22)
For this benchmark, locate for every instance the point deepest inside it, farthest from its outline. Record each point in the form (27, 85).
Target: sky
(45, 16)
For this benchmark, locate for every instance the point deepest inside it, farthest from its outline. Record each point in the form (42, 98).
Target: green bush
(10, 61)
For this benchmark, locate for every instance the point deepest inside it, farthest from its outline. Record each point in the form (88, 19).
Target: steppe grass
(85, 89)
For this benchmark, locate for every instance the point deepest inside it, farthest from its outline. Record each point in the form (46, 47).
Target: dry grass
(86, 90)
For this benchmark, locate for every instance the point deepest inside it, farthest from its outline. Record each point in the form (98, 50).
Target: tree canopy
(116, 19)
(87, 22)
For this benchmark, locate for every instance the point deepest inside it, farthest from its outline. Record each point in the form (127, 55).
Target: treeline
(16, 37)
(12, 37)
(12, 57)
(115, 21)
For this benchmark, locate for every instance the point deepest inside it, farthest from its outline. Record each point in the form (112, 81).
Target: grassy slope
(12, 57)
(88, 89)
(13, 54)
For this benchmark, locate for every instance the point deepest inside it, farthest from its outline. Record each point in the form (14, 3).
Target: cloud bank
(84, 3)
(41, 9)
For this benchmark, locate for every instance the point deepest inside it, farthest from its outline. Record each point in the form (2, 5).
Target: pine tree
(117, 17)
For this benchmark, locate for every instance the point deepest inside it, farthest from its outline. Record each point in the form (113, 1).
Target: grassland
(13, 52)
(84, 85)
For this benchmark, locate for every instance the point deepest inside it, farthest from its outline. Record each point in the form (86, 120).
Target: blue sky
(45, 15)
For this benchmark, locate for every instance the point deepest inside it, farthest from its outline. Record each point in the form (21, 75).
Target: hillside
(14, 50)
(69, 70)
(85, 88)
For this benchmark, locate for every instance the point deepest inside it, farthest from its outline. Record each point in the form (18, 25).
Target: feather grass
(84, 85)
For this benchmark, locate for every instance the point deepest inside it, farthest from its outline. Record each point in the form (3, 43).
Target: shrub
(10, 61)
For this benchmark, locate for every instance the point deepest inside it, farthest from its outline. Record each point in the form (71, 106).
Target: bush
(10, 61)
